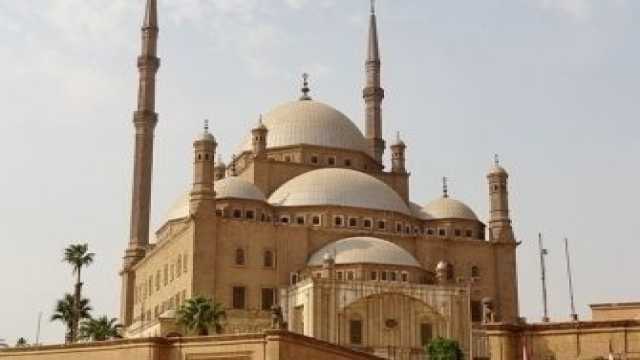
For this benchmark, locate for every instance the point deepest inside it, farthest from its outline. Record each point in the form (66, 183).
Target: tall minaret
(504, 243)
(373, 93)
(144, 121)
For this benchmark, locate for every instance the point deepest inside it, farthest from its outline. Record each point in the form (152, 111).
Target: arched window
(240, 259)
(475, 272)
(268, 259)
(355, 331)
(179, 266)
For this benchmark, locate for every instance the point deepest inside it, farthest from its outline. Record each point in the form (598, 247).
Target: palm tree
(64, 312)
(78, 256)
(100, 329)
(198, 314)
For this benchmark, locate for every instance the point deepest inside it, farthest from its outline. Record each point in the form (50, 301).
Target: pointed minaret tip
(305, 87)
(151, 14)
(373, 54)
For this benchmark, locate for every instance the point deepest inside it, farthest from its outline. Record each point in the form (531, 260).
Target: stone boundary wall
(270, 345)
(578, 340)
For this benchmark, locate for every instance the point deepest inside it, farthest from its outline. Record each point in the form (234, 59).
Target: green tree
(100, 329)
(444, 349)
(22, 342)
(199, 314)
(64, 309)
(78, 256)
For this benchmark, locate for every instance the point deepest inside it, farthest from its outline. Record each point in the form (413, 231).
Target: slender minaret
(144, 121)
(202, 196)
(499, 221)
(398, 156)
(259, 139)
(373, 93)
(504, 244)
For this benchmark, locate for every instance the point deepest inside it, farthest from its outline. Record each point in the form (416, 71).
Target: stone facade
(245, 232)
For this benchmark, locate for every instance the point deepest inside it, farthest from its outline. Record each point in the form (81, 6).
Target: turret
(398, 156)
(219, 169)
(202, 197)
(499, 220)
(373, 93)
(259, 139)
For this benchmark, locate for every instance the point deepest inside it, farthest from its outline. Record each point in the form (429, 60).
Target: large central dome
(312, 123)
(338, 187)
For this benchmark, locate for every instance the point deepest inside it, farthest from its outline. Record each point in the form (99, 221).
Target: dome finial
(373, 7)
(445, 187)
(232, 170)
(206, 126)
(305, 87)
(496, 159)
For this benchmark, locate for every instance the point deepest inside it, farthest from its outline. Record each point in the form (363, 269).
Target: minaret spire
(373, 92)
(145, 119)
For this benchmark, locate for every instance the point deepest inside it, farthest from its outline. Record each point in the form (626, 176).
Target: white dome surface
(229, 187)
(310, 122)
(361, 250)
(338, 187)
(448, 208)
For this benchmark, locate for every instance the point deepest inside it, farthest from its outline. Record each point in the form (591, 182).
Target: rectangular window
(442, 232)
(339, 273)
(316, 220)
(355, 332)
(367, 223)
(476, 311)
(166, 275)
(250, 214)
(374, 275)
(300, 220)
(350, 275)
(457, 232)
(158, 280)
(239, 293)
(469, 233)
(426, 333)
(337, 221)
(268, 298)
(331, 161)
(383, 275)
(393, 275)
(172, 272)
(381, 225)
(184, 264)
(405, 277)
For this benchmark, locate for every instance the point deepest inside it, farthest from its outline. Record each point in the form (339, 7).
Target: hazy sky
(550, 85)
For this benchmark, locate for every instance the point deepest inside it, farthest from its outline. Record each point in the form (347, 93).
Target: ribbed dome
(359, 250)
(338, 187)
(448, 208)
(229, 187)
(310, 122)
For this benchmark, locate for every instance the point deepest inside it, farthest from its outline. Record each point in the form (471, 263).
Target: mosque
(307, 218)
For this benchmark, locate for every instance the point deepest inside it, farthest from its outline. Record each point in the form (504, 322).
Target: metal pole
(38, 328)
(574, 316)
(543, 252)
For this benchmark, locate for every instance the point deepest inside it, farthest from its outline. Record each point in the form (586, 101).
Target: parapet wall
(270, 345)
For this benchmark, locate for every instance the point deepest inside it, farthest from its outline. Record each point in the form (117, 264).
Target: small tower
(398, 156)
(219, 169)
(501, 235)
(259, 139)
(499, 220)
(202, 197)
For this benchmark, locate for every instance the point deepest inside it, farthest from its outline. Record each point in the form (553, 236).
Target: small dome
(338, 187)
(497, 169)
(229, 187)
(448, 208)
(418, 211)
(235, 187)
(364, 250)
(310, 122)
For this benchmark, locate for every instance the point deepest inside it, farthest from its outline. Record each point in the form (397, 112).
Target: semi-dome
(448, 208)
(310, 122)
(364, 250)
(338, 187)
(229, 187)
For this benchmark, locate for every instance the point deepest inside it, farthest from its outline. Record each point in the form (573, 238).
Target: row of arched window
(268, 258)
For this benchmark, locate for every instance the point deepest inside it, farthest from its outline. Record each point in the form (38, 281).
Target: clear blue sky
(550, 85)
